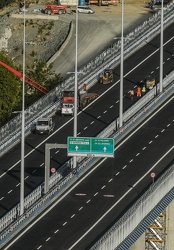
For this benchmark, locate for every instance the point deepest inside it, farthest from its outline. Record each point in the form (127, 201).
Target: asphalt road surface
(106, 193)
(96, 32)
(90, 122)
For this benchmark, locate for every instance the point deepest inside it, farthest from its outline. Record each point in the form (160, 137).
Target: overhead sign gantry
(90, 146)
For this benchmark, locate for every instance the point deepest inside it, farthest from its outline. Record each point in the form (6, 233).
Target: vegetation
(11, 86)
(10, 90)
(4, 3)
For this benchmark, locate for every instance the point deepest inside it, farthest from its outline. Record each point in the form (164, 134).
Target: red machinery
(55, 9)
(29, 81)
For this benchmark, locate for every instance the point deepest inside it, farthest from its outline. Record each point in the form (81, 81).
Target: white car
(85, 9)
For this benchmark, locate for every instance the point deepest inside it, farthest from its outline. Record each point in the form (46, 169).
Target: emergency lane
(90, 122)
(109, 188)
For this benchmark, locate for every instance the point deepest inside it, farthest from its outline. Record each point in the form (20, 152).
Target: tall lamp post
(75, 84)
(121, 69)
(161, 49)
(23, 128)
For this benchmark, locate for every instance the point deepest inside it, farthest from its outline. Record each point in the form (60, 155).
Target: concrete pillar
(170, 227)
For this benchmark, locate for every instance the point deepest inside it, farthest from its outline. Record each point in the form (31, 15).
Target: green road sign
(89, 146)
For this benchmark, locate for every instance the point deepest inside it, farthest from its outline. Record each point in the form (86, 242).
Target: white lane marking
(105, 111)
(85, 128)
(112, 86)
(79, 133)
(144, 148)
(117, 101)
(2, 198)
(80, 208)
(17, 184)
(26, 177)
(48, 238)
(168, 125)
(150, 142)
(103, 187)
(10, 191)
(96, 194)
(110, 180)
(39, 247)
(156, 136)
(162, 130)
(57, 152)
(72, 216)
(94, 168)
(64, 223)
(131, 160)
(98, 116)
(117, 173)
(88, 201)
(92, 122)
(157, 67)
(124, 167)
(168, 58)
(118, 201)
(56, 231)
(42, 164)
(33, 171)
(111, 106)
(137, 154)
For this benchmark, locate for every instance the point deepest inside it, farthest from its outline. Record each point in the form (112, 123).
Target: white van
(85, 9)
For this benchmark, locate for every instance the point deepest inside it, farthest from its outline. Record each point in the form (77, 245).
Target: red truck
(55, 9)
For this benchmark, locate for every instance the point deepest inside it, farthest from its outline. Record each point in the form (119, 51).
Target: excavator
(28, 80)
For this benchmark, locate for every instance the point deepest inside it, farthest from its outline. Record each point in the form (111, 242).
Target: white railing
(10, 133)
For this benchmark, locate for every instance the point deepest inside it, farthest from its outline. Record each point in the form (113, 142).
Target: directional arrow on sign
(104, 149)
(76, 147)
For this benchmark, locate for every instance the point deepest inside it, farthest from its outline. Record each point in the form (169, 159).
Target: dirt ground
(43, 37)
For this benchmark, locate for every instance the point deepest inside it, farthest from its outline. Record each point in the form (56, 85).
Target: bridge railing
(36, 202)
(135, 221)
(10, 133)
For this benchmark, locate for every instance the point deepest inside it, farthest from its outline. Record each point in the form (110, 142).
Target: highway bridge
(113, 177)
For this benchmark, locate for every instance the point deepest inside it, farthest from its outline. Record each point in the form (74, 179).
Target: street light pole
(161, 49)
(121, 69)
(76, 84)
(23, 128)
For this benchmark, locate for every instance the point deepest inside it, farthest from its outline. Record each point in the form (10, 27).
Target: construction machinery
(106, 77)
(28, 80)
(83, 99)
(55, 9)
(150, 82)
(68, 102)
(44, 126)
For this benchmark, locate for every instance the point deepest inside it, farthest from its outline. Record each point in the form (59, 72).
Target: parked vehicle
(67, 102)
(85, 9)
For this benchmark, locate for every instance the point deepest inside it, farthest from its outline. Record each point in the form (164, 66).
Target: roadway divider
(110, 58)
(36, 202)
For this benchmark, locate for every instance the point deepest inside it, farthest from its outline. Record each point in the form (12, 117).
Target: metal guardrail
(47, 106)
(135, 221)
(11, 223)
